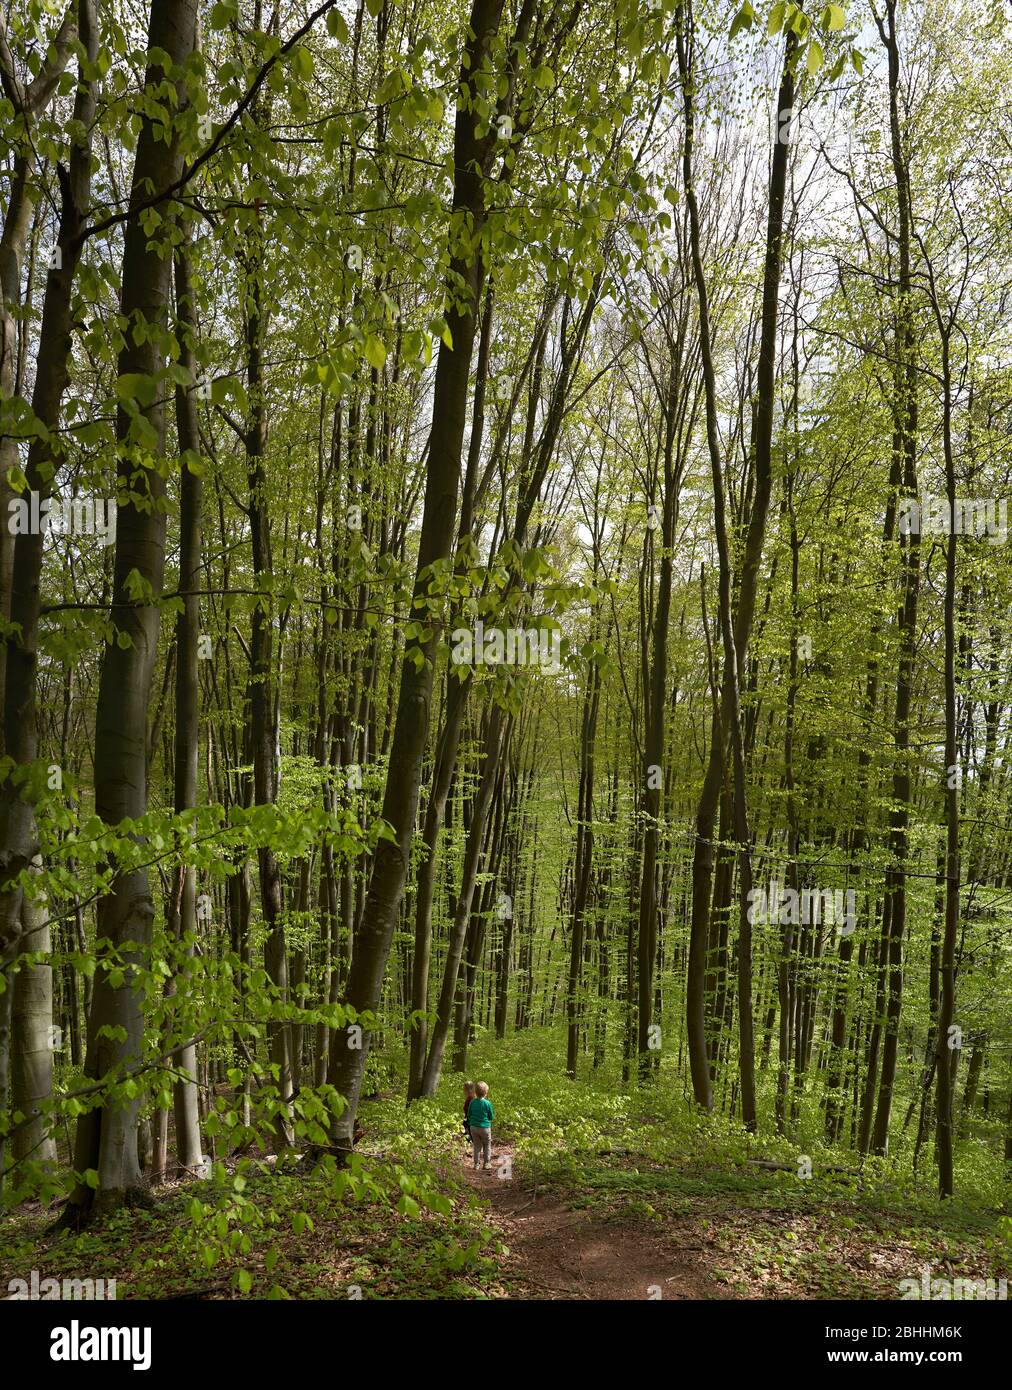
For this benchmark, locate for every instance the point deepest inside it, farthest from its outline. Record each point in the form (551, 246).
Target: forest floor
(625, 1230)
(553, 1250)
(596, 1191)
(616, 1231)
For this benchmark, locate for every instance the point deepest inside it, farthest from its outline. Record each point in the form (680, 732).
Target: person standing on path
(480, 1116)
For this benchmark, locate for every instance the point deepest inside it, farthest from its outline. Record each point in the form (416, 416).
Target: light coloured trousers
(481, 1143)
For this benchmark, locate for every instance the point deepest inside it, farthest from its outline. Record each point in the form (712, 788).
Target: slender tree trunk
(446, 761)
(906, 443)
(458, 928)
(187, 742)
(18, 833)
(261, 684)
(584, 861)
(29, 101)
(944, 1071)
(411, 724)
(735, 635)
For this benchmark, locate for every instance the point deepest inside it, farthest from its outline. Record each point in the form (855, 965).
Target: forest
(504, 575)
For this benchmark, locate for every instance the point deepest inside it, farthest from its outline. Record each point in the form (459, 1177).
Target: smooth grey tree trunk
(106, 1139)
(187, 741)
(33, 1037)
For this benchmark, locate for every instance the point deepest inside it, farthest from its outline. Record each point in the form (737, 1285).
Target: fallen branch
(772, 1166)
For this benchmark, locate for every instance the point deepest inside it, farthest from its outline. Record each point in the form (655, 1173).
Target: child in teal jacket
(479, 1117)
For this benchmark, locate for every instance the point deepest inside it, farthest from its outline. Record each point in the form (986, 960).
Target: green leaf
(336, 27)
(375, 352)
(393, 85)
(223, 13)
(302, 62)
(136, 386)
(814, 59)
(744, 19)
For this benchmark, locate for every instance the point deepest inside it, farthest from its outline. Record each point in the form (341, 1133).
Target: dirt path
(558, 1253)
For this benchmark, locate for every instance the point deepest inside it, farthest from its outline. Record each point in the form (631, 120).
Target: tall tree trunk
(187, 740)
(906, 442)
(261, 680)
(411, 724)
(655, 683)
(106, 1140)
(32, 1016)
(735, 636)
(584, 860)
(944, 1070)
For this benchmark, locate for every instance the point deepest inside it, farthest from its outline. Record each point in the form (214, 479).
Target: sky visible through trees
(504, 574)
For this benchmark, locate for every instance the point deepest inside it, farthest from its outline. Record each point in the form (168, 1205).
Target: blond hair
(469, 1088)
(482, 1089)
